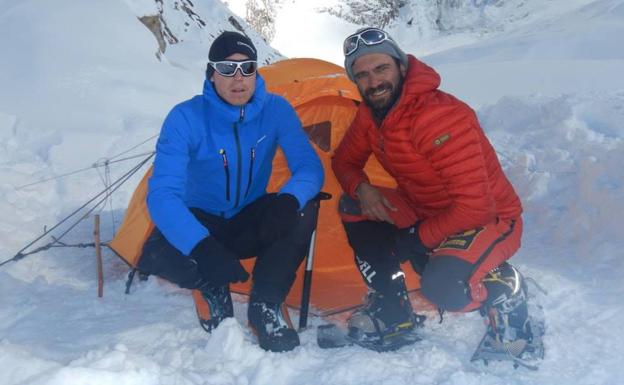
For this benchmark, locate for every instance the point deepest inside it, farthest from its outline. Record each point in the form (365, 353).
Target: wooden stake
(98, 254)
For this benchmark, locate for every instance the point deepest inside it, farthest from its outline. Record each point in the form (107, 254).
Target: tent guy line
(96, 165)
(101, 163)
(107, 192)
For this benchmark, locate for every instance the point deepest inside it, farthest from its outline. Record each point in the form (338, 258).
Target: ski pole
(307, 277)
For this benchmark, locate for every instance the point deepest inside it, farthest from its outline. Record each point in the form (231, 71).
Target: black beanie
(229, 43)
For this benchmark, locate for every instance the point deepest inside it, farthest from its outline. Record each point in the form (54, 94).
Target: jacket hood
(420, 78)
(230, 112)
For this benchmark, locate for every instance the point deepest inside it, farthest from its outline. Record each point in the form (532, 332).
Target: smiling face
(379, 79)
(238, 89)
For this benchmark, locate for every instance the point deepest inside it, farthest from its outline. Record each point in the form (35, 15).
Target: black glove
(279, 218)
(410, 246)
(217, 265)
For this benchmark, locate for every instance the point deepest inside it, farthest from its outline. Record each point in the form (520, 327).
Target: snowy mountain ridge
(175, 21)
(423, 27)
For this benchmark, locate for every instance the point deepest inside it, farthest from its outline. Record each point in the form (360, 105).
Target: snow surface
(81, 82)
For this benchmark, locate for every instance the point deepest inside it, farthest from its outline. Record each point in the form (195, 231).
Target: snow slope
(80, 82)
(569, 53)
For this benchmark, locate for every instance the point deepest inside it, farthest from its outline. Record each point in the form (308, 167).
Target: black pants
(374, 244)
(277, 261)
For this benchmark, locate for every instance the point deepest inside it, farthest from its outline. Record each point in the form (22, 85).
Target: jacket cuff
(353, 185)
(187, 245)
(426, 237)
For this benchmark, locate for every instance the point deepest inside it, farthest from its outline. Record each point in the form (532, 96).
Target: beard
(381, 107)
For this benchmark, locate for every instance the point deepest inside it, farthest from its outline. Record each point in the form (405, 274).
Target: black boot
(387, 320)
(511, 332)
(272, 325)
(219, 303)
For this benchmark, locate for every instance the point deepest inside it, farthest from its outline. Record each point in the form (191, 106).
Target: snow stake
(98, 254)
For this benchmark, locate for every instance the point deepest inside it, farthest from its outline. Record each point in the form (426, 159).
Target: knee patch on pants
(444, 282)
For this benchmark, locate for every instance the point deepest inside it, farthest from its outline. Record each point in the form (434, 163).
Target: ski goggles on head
(228, 67)
(371, 36)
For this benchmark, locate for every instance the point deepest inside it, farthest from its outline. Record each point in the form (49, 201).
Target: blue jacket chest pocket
(210, 168)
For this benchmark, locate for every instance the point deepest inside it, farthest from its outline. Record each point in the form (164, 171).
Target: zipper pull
(251, 165)
(242, 114)
(224, 157)
(227, 174)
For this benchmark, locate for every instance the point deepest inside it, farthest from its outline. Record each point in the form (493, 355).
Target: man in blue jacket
(208, 200)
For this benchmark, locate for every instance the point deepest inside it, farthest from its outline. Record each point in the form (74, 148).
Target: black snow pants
(276, 260)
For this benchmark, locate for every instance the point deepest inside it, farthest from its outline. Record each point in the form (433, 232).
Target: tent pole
(98, 254)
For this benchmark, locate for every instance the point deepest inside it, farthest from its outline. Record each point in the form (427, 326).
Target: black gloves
(217, 265)
(410, 246)
(279, 218)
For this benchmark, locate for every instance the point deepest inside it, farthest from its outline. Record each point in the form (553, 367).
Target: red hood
(420, 78)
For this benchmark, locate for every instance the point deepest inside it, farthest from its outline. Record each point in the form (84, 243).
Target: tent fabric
(326, 102)
(136, 226)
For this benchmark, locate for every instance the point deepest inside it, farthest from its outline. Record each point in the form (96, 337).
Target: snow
(81, 82)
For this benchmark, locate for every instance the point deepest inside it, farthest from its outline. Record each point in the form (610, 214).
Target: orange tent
(325, 101)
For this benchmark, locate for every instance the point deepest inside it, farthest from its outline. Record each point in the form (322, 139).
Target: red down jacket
(433, 145)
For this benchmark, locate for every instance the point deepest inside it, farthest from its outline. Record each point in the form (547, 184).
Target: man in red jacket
(453, 215)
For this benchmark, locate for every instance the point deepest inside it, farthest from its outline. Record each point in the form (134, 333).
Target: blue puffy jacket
(217, 157)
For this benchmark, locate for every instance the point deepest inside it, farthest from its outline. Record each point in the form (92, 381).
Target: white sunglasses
(229, 67)
(371, 36)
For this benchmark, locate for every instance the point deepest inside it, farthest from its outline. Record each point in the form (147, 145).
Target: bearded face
(381, 98)
(379, 79)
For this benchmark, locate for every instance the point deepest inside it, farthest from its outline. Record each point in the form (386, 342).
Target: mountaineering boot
(213, 304)
(512, 334)
(386, 321)
(271, 323)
